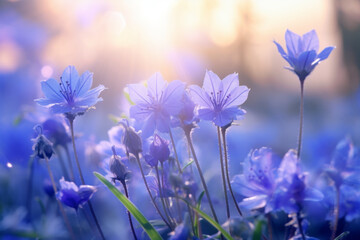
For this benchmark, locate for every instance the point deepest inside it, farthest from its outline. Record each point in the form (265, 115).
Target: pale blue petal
(206, 114)
(63, 107)
(310, 41)
(312, 194)
(172, 97)
(230, 82)
(45, 101)
(283, 54)
(293, 42)
(200, 97)
(163, 122)
(71, 75)
(304, 62)
(288, 166)
(51, 89)
(325, 53)
(156, 85)
(93, 93)
(226, 116)
(254, 202)
(84, 85)
(68, 185)
(211, 83)
(85, 193)
(237, 96)
(140, 112)
(138, 94)
(243, 187)
(148, 127)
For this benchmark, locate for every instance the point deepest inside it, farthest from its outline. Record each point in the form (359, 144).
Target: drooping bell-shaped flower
(42, 146)
(117, 167)
(302, 52)
(72, 195)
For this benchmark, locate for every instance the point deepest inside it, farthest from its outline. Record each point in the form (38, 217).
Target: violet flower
(72, 95)
(219, 100)
(155, 104)
(74, 196)
(302, 53)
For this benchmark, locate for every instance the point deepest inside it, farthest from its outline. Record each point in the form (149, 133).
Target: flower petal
(200, 97)
(84, 84)
(148, 127)
(156, 85)
(211, 83)
(71, 75)
(325, 53)
(138, 93)
(310, 41)
(140, 112)
(237, 96)
(254, 202)
(283, 53)
(51, 89)
(172, 96)
(293, 42)
(226, 116)
(206, 114)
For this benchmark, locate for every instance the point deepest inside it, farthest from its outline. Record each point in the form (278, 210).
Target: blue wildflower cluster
(155, 165)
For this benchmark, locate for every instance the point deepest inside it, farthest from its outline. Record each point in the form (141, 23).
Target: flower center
(67, 92)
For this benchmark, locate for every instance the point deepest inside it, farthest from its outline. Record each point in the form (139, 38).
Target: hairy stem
(223, 131)
(150, 194)
(188, 137)
(223, 174)
(82, 178)
(299, 220)
(175, 152)
(161, 193)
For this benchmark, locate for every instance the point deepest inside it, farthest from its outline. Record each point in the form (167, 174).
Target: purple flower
(155, 104)
(219, 100)
(302, 52)
(257, 183)
(55, 130)
(117, 167)
(74, 196)
(72, 95)
(158, 151)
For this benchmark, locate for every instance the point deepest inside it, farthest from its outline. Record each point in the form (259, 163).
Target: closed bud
(159, 149)
(131, 140)
(117, 168)
(42, 146)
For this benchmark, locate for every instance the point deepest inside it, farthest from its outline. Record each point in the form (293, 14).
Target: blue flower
(42, 146)
(155, 104)
(186, 117)
(72, 95)
(219, 100)
(55, 130)
(74, 196)
(257, 183)
(302, 52)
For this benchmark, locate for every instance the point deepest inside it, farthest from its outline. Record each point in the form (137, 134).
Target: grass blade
(145, 224)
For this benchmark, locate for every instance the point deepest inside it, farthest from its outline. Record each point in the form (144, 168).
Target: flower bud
(42, 146)
(159, 149)
(117, 168)
(131, 140)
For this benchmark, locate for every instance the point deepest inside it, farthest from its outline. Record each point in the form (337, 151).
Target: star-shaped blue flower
(155, 104)
(219, 100)
(74, 196)
(72, 95)
(302, 52)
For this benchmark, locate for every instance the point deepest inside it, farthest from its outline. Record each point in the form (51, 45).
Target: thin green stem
(150, 194)
(223, 131)
(336, 213)
(175, 152)
(188, 137)
(70, 163)
(128, 213)
(66, 220)
(301, 119)
(223, 174)
(161, 194)
(82, 178)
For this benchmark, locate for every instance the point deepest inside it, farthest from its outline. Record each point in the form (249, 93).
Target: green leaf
(208, 218)
(341, 236)
(127, 96)
(188, 164)
(196, 222)
(145, 224)
(258, 231)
